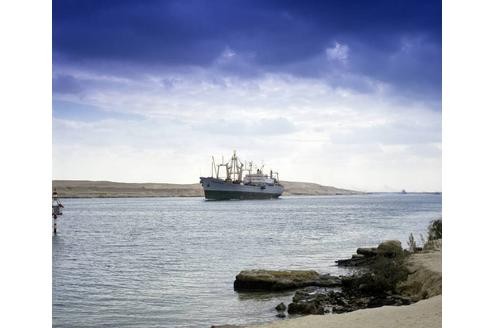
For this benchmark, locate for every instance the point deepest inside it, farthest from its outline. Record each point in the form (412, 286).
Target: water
(171, 262)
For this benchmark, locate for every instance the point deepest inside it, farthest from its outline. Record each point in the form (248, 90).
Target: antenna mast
(213, 166)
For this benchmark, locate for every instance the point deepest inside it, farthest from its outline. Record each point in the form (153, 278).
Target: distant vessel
(252, 186)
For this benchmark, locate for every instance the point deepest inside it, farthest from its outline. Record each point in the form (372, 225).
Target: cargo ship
(253, 185)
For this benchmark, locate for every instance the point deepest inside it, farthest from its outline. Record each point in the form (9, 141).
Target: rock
(345, 262)
(368, 252)
(363, 256)
(313, 301)
(281, 280)
(367, 255)
(389, 301)
(326, 280)
(362, 302)
(281, 307)
(375, 302)
(281, 315)
(310, 294)
(306, 308)
(273, 280)
(402, 300)
(355, 261)
(396, 300)
(310, 300)
(390, 248)
(343, 302)
(338, 309)
(406, 300)
(350, 282)
(317, 300)
(303, 294)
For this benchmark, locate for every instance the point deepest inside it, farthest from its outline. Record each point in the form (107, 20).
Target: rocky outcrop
(355, 261)
(310, 300)
(313, 300)
(374, 286)
(380, 284)
(275, 280)
(366, 256)
(367, 251)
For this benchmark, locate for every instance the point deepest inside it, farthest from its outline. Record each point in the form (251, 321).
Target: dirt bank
(425, 278)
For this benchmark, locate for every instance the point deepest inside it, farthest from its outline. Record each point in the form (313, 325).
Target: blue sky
(344, 93)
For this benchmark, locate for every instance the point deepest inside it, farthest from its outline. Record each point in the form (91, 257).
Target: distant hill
(91, 189)
(308, 188)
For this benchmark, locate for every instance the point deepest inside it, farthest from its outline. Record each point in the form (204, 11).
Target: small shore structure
(56, 209)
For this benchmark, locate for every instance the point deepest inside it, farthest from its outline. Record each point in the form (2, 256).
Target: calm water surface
(171, 262)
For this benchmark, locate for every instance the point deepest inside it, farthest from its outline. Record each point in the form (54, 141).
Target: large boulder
(282, 279)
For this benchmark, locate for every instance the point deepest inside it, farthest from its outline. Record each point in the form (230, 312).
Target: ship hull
(216, 189)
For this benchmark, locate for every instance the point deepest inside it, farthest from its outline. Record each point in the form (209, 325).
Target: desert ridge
(108, 189)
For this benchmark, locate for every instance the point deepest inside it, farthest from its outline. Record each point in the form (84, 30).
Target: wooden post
(56, 205)
(54, 224)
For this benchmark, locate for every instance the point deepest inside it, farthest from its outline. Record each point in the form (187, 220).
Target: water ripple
(171, 262)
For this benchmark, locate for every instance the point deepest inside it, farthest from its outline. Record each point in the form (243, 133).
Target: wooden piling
(54, 224)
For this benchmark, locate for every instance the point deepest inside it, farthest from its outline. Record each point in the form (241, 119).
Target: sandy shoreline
(425, 282)
(425, 314)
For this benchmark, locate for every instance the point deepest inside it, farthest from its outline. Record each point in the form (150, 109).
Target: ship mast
(213, 167)
(236, 167)
(216, 167)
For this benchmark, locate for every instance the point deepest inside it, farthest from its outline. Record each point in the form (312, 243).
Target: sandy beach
(426, 314)
(425, 282)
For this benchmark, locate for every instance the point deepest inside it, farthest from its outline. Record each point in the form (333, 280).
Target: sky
(340, 93)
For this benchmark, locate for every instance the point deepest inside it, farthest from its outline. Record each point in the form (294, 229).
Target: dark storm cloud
(398, 42)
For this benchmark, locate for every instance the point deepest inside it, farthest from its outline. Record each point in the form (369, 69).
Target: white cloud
(303, 127)
(228, 53)
(340, 53)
